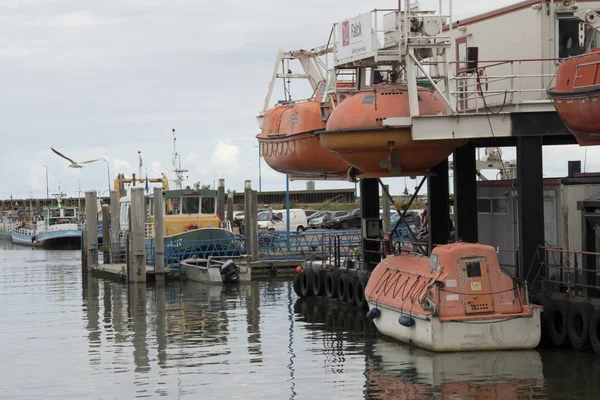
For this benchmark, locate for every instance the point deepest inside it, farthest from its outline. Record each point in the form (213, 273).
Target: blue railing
(178, 250)
(281, 245)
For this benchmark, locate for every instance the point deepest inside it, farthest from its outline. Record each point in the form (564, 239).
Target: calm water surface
(65, 337)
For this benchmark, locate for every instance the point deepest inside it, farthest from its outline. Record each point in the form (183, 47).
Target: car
(350, 220)
(275, 220)
(321, 219)
(310, 213)
(411, 218)
(238, 217)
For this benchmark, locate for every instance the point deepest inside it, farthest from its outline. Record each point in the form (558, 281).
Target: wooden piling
(221, 203)
(137, 235)
(106, 233)
(114, 222)
(91, 227)
(385, 204)
(253, 225)
(230, 207)
(159, 232)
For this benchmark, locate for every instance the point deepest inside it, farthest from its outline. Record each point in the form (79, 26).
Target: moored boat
(212, 270)
(57, 228)
(356, 132)
(456, 300)
(576, 94)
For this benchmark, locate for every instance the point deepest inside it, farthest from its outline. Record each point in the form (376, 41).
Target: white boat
(58, 227)
(214, 270)
(457, 299)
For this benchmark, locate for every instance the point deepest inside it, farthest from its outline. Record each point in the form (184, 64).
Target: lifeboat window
(190, 205)
(473, 269)
(209, 205)
(368, 100)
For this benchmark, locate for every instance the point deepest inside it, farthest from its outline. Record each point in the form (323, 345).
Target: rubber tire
(359, 294)
(345, 225)
(558, 321)
(341, 287)
(300, 229)
(296, 285)
(350, 286)
(331, 285)
(318, 282)
(306, 279)
(595, 331)
(578, 324)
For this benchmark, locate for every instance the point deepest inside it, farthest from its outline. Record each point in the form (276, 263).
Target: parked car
(350, 220)
(411, 218)
(238, 217)
(276, 220)
(322, 219)
(310, 213)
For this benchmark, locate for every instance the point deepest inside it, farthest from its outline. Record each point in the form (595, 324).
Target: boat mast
(177, 169)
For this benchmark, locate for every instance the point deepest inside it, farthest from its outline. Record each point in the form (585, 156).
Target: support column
(386, 205)
(465, 194)
(530, 192)
(230, 207)
(253, 225)
(159, 231)
(369, 206)
(115, 226)
(221, 203)
(137, 272)
(91, 227)
(106, 233)
(438, 209)
(246, 222)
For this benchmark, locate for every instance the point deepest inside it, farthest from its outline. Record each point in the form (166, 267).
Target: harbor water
(67, 336)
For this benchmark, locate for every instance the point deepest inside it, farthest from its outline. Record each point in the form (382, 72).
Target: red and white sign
(354, 39)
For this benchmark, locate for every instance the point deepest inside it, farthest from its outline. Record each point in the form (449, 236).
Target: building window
(500, 206)
(484, 206)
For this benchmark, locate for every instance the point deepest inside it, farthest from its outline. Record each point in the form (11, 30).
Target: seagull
(73, 163)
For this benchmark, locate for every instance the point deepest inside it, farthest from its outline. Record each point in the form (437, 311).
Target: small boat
(576, 94)
(356, 132)
(57, 228)
(212, 270)
(456, 300)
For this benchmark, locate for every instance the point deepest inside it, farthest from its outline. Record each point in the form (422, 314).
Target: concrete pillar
(221, 202)
(106, 233)
(114, 219)
(438, 208)
(253, 225)
(230, 207)
(369, 205)
(137, 272)
(465, 194)
(247, 217)
(159, 231)
(91, 227)
(385, 204)
(530, 192)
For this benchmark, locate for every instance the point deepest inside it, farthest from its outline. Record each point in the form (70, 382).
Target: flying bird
(73, 163)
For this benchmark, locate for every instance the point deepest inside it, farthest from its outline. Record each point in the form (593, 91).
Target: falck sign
(354, 39)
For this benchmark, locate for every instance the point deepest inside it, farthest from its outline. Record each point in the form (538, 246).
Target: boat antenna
(177, 169)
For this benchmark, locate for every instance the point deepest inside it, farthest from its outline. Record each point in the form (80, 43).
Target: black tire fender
(331, 285)
(558, 314)
(350, 289)
(318, 282)
(578, 324)
(306, 279)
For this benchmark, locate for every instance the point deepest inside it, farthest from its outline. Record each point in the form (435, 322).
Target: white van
(275, 220)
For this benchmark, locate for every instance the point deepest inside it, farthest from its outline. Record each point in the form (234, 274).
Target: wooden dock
(119, 272)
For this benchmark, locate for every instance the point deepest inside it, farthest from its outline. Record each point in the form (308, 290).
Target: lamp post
(108, 173)
(47, 190)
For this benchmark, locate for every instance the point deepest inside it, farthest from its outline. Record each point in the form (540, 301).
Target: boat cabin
(189, 209)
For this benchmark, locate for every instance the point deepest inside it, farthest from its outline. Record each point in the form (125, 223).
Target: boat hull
(576, 97)
(509, 333)
(64, 239)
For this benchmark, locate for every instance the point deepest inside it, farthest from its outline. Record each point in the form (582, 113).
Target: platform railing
(563, 270)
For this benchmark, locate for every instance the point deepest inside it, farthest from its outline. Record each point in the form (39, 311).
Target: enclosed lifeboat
(356, 132)
(457, 299)
(289, 144)
(576, 96)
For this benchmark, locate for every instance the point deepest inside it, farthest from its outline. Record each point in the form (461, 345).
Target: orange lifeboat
(356, 132)
(457, 299)
(576, 96)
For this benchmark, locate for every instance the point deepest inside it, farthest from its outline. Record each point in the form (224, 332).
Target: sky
(111, 78)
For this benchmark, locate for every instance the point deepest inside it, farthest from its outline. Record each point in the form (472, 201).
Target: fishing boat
(356, 132)
(576, 94)
(458, 299)
(215, 270)
(287, 140)
(57, 228)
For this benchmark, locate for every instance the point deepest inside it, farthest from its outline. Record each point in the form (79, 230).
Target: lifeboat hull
(457, 300)
(355, 131)
(576, 97)
(289, 144)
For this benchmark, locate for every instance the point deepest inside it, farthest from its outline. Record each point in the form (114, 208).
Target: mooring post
(106, 233)
(159, 231)
(230, 207)
(84, 253)
(91, 227)
(115, 227)
(138, 238)
(253, 228)
(247, 217)
(386, 205)
(221, 203)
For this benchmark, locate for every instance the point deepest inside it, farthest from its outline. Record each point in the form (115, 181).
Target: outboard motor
(230, 271)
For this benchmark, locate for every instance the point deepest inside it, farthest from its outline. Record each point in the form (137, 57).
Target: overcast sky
(111, 77)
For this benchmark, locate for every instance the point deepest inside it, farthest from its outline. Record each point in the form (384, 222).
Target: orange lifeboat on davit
(289, 144)
(356, 132)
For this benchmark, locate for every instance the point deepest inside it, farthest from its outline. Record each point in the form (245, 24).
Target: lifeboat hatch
(475, 284)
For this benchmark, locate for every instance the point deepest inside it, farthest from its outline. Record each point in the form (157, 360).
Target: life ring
(480, 78)
(192, 226)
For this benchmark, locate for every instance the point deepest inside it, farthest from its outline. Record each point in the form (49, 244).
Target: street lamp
(108, 172)
(47, 190)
